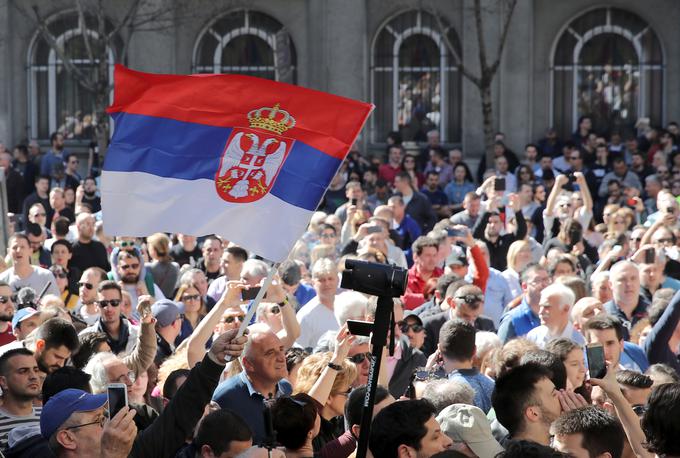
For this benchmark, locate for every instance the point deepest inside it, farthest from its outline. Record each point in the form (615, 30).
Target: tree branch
(480, 38)
(83, 29)
(131, 12)
(504, 35)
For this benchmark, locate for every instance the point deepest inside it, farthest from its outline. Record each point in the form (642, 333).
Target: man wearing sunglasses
(7, 300)
(137, 280)
(22, 273)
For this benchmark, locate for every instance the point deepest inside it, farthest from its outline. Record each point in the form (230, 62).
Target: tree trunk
(487, 117)
(102, 130)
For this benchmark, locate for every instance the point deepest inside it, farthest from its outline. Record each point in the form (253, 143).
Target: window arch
(608, 64)
(246, 42)
(56, 101)
(415, 82)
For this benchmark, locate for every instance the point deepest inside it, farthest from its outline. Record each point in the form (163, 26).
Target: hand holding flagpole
(252, 308)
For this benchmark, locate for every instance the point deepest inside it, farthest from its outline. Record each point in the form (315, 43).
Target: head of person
(88, 284)
(571, 355)
(472, 204)
(90, 344)
(325, 278)
(57, 199)
(106, 368)
(37, 214)
(636, 387)
(129, 266)
(168, 319)
(601, 287)
(233, 259)
(403, 183)
(109, 298)
(443, 393)
(562, 265)
(661, 420)
(432, 180)
(222, 434)
(72, 421)
(355, 404)
(407, 429)
(19, 375)
(42, 184)
(264, 357)
(412, 327)
(589, 432)
(311, 370)
(20, 249)
(519, 255)
(190, 297)
(62, 379)
(607, 331)
(457, 341)
(526, 399)
(295, 420)
(555, 306)
(62, 251)
(212, 251)
(395, 154)
(466, 302)
(625, 281)
(494, 226)
(85, 223)
(533, 279)
(197, 278)
(24, 321)
(55, 340)
(425, 250)
(661, 374)
(583, 310)
(396, 205)
(7, 302)
(469, 429)
(231, 319)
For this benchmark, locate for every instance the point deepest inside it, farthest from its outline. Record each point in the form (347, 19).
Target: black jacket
(411, 359)
(433, 324)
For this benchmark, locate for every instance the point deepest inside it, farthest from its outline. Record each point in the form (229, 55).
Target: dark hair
(129, 254)
(293, 417)
(604, 321)
(600, 431)
(62, 379)
(170, 385)
(514, 392)
(355, 403)
(562, 347)
(634, 379)
(530, 269)
(88, 346)
(57, 332)
(530, 449)
(457, 340)
(403, 175)
(328, 226)
(549, 361)
(33, 229)
(65, 243)
(53, 136)
(109, 284)
(661, 421)
(4, 359)
(445, 281)
(423, 242)
(290, 272)
(295, 355)
(219, 428)
(400, 423)
(238, 252)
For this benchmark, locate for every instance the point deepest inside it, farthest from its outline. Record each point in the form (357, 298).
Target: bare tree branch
(82, 25)
(481, 42)
(504, 36)
(131, 12)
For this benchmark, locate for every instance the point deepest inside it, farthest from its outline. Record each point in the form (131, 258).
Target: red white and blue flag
(242, 157)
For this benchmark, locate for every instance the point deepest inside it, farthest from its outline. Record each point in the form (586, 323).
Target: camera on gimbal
(374, 279)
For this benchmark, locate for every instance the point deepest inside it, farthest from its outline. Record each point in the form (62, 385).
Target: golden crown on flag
(273, 119)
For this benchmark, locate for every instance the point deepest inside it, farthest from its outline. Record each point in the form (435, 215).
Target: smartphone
(597, 367)
(117, 393)
(649, 256)
(359, 328)
(455, 232)
(499, 184)
(354, 201)
(250, 293)
(670, 210)
(374, 229)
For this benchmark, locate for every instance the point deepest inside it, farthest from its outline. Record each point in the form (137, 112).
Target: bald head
(585, 309)
(625, 282)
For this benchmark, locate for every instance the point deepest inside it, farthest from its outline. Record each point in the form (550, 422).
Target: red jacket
(415, 286)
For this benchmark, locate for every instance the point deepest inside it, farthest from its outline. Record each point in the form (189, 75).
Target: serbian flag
(245, 158)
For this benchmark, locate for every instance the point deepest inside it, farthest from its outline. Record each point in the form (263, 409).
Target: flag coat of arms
(242, 157)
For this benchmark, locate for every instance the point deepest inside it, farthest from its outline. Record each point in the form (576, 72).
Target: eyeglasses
(6, 299)
(86, 285)
(129, 266)
(275, 310)
(231, 319)
(35, 215)
(130, 376)
(61, 275)
(404, 326)
(361, 357)
(191, 297)
(126, 244)
(327, 236)
(471, 298)
(100, 421)
(112, 303)
(345, 393)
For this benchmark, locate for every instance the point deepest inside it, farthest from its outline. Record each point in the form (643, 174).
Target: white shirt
(541, 336)
(315, 319)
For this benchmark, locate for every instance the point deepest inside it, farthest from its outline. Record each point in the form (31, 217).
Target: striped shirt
(8, 422)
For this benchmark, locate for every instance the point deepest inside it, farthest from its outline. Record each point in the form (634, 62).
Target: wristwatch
(285, 302)
(335, 367)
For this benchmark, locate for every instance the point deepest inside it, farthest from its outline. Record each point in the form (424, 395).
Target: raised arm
(145, 350)
(291, 327)
(560, 181)
(521, 230)
(585, 192)
(323, 386)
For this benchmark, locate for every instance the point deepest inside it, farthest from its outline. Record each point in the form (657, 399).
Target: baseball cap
(23, 314)
(165, 311)
(466, 423)
(457, 257)
(411, 314)
(63, 404)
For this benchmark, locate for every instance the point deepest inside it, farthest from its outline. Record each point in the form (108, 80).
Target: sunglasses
(6, 299)
(130, 266)
(191, 297)
(471, 298)
(112, 303)
(61, 275)
(361, 357)
(39, 214)
(126, 244)
(275, 310)
(231, 319)
(404, 326)
(86, 285)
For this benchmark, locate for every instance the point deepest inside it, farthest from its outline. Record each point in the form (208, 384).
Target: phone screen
(597, 367)
(354, 201)
(499, 184)
(374, 229)
(649, 256)
(250, 293)
(359, 328)
(117, 393)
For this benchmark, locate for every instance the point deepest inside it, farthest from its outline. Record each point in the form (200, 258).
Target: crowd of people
(517, 271)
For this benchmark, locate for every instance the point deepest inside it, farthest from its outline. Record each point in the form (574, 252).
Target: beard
(130, 279)
(4, 316)
(42, 365)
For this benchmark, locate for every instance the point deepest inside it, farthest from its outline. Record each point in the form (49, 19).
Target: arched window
(56, 101)
(607, 64)
(246, 42)
(415, 83)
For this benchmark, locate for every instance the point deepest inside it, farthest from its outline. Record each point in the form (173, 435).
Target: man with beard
(87, 294)
(21, 385)
(6, 313)
(129, 270)
(122, 336)
(90, 196)
(54, 156)
(86, 251)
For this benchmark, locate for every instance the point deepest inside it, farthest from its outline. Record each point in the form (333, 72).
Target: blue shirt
(437, 197)
(496, 296)
(304, 293)
(480, 383)
(518, 322)
(409, 231)
(237, 393)
(49, 160)
(456, 192)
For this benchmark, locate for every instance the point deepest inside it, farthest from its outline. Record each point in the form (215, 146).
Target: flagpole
(256, 302)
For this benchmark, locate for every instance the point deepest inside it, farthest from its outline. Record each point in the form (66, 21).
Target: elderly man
(522, 319)
(555, 308)
(318, 316)
(88, 252)
(627, 305)
(425, 251)
(22, 273)
(264, 369)
(162, 438)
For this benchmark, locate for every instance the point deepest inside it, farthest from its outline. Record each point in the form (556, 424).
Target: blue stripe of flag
(177, 149)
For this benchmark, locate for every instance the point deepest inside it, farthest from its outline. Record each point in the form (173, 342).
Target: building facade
(615, 61)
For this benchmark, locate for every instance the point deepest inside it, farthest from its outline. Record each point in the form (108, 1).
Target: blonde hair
(159, 245)
(321, 251)
(312, 367)
(513, 250)
(177, 360)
